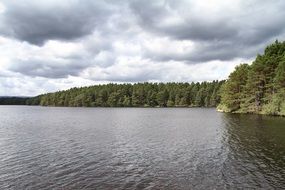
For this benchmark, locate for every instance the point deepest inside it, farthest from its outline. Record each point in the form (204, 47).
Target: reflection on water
(136, 148)
(255, 151)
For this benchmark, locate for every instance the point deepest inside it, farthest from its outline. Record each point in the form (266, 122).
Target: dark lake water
(137, 148)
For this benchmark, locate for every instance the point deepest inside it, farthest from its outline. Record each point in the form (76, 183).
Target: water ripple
(77, 148)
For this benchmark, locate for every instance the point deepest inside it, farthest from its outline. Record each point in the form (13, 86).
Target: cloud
(52, 45)
(221, 30)
(136, 69)
(211, 20)
(33, 86)
(181, 20)
(54, 60)
(39, 21)
(49, 69)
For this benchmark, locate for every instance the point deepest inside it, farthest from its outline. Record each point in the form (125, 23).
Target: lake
(139, 148)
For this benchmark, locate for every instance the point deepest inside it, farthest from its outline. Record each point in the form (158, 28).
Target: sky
(53, 45)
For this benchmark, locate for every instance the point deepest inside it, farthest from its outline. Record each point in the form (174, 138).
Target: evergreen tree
(258, 88)
(136, 95)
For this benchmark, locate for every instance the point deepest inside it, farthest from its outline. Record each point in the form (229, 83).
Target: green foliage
(13, 101)
(233, 90)
(255, 88)
(260, 87)
(136, 95)
(273, 107)
(282, 109)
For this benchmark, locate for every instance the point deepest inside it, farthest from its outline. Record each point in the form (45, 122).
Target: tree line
(13, 100)
(204, 94)
(255, 88)
(259, 87)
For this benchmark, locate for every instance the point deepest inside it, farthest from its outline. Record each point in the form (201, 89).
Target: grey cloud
(49, 69)
(223, 38)
(96, 44)
(36, 22)
(218, 38)
(104, 59)
(151, 15)
(4, 74)
(251, 22)
(98, 25)
(204, 52)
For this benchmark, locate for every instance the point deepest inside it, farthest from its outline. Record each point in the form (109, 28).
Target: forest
(259, 87)
(6, 100)
(251, 88)
(204, 94)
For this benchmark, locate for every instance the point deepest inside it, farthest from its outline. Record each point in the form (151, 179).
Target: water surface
(137, 148)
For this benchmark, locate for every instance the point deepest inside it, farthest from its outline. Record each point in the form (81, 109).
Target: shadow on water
(255, 146)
